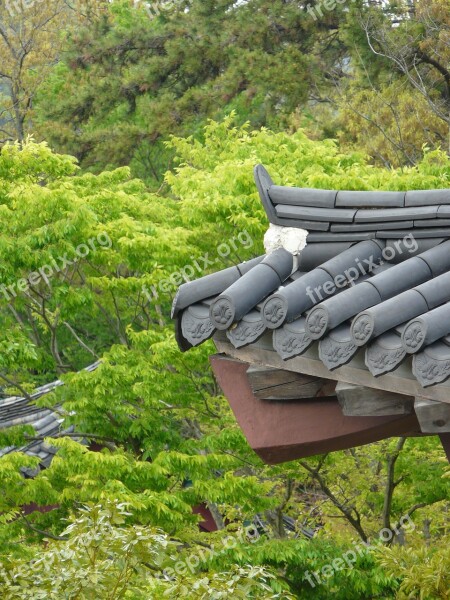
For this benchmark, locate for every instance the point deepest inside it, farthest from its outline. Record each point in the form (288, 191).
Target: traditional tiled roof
(47, 422)
(353, 216)
(375, 274)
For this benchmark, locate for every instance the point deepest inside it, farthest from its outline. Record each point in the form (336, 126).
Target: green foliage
(127, 83)
(31, 163)
(392, 124)
(100, 556)
(168, 439)
(214, 179)
(424, 571)
(397, 97)
(15, 435)
(89, 264)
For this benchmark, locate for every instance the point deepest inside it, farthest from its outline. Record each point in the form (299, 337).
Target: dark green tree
(130, 78)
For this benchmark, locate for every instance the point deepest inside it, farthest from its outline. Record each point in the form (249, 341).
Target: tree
(130, 80)
(411, 39)
(99, 556)
(424, 570)
(31, 40)
(392, 123)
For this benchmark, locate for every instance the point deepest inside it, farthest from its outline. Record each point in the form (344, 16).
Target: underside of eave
(355, 372)
(284, 431)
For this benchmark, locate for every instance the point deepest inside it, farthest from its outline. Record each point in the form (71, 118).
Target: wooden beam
(360, 401)
(264, 377)
(433, 417)
(401, 381)
(276, 384)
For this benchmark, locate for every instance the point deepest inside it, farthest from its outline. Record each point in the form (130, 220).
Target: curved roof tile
(369, 280)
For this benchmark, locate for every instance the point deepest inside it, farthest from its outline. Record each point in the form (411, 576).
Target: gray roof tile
(16, 411)
(351, 214)
(398, 305)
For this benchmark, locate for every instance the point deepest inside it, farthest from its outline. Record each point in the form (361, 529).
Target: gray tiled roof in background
(46, 422)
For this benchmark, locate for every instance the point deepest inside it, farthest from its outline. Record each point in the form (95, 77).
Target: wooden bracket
(360, 401)
(276, 384)
(433, 417)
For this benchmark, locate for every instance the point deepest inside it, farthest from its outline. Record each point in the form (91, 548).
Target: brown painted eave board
(445, 439)
(280, 432)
